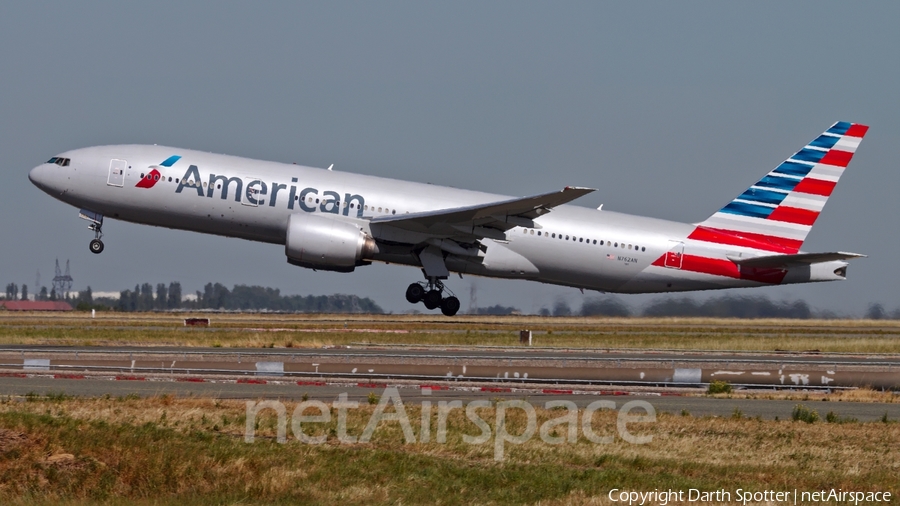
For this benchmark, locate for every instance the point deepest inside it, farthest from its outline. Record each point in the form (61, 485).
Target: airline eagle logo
(150, 179)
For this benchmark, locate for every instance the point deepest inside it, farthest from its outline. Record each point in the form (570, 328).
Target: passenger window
(539, 233)
(595, 241)
(554, 235)
(643, 248)
(581, 240)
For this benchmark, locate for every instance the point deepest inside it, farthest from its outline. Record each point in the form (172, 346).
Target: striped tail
(777, 212)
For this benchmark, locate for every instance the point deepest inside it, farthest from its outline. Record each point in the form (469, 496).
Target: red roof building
(35, 305)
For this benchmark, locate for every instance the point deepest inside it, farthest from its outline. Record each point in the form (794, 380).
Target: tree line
(216, 296)
(728, 306)
(12, 293)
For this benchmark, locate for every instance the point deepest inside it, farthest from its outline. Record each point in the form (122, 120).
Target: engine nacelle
(319, 242)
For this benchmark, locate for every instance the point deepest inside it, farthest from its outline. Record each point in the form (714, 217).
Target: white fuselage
(574, 246)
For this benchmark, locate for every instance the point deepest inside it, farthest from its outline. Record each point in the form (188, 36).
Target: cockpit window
(58, 160)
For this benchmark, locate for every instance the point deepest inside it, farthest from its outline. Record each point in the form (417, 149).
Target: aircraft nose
(39, 176)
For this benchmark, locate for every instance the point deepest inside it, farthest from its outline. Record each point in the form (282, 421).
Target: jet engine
(320, 242)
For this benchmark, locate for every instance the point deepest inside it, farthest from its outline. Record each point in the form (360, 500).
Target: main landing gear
(431, 294)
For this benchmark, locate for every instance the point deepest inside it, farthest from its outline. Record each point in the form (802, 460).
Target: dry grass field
(167, 450)
(278, 330)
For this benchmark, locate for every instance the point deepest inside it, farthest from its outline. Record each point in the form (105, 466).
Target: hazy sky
(669, 108)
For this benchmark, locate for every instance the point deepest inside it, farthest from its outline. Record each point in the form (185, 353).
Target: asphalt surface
(17, 388)
(460, 352)
(571, 366)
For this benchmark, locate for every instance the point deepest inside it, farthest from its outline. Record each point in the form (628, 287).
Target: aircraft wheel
(432, 299)
(450, 306)
(415, 293)
(96, 246)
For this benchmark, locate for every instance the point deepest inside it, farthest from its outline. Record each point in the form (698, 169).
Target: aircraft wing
(785, 261)
(484, 220)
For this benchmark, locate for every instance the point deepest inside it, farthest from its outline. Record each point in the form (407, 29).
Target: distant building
(115, 295)
(35, 305)
(104, 295)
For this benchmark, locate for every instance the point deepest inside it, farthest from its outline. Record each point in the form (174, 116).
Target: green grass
(719, 387)
(803, 414)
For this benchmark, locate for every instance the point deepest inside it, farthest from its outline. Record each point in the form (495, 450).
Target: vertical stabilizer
(778, 211)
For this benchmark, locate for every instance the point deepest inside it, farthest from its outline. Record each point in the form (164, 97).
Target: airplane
(337, 221)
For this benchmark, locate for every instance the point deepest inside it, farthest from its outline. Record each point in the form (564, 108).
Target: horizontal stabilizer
(786, 261)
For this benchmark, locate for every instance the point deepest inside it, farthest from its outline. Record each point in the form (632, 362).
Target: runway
(515, 366)
(292, 391)
(668, 379)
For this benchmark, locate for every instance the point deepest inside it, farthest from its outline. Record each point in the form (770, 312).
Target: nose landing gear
(96, 245)
(431, 294)
(96, 226)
